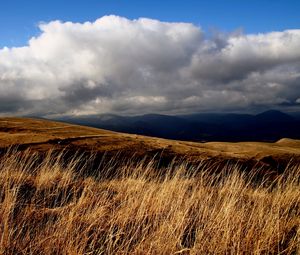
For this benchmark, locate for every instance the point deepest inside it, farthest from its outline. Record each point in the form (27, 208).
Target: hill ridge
(268, 126)
(43, 135)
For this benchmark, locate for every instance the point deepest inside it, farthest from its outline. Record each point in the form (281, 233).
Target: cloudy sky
(136, 65)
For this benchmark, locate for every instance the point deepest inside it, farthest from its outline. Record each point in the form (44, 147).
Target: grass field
(67, 189)
(50, 207)
(42, 135)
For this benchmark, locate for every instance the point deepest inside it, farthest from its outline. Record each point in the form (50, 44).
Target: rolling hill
(42, 135)
(210, 200)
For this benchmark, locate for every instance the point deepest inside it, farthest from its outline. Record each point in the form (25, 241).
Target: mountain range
(268, 126)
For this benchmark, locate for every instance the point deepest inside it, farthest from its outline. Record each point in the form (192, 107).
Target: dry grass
(48, 207)
(42, 135)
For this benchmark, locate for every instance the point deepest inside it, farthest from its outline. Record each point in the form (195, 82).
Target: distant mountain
(267, 126)
(295, 115)
(230, 119)
(273, 116)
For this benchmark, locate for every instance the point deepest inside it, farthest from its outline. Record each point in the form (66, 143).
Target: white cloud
(138, 66)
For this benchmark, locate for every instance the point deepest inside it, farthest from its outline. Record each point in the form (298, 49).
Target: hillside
(41, 135)
(199, 204)
(130, 206)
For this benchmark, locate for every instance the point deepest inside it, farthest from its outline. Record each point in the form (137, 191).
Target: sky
(19, 19)
(136, 57)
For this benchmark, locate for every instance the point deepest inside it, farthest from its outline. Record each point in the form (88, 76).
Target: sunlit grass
(48, 207)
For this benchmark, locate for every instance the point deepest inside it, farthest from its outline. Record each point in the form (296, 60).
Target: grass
(51, 207)
(42, 135)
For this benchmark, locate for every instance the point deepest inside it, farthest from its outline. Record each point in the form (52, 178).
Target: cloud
(137, 66)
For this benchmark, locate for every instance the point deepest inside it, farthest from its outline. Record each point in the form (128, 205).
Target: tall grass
(49, 207)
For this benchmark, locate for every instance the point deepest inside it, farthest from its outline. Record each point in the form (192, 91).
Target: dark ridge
(268, 126)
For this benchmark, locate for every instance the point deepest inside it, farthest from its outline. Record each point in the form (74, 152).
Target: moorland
(69, 189)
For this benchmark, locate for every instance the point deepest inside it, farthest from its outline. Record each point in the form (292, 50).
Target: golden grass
(42, 135)
(49, 207)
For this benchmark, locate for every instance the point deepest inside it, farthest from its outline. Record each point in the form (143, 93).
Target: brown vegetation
(50, 207)
(42, 135)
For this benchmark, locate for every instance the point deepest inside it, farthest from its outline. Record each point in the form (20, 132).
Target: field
(113, 195)
(41, 135)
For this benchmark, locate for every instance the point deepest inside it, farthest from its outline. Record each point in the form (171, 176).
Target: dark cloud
(139, 66)
(13, 103)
